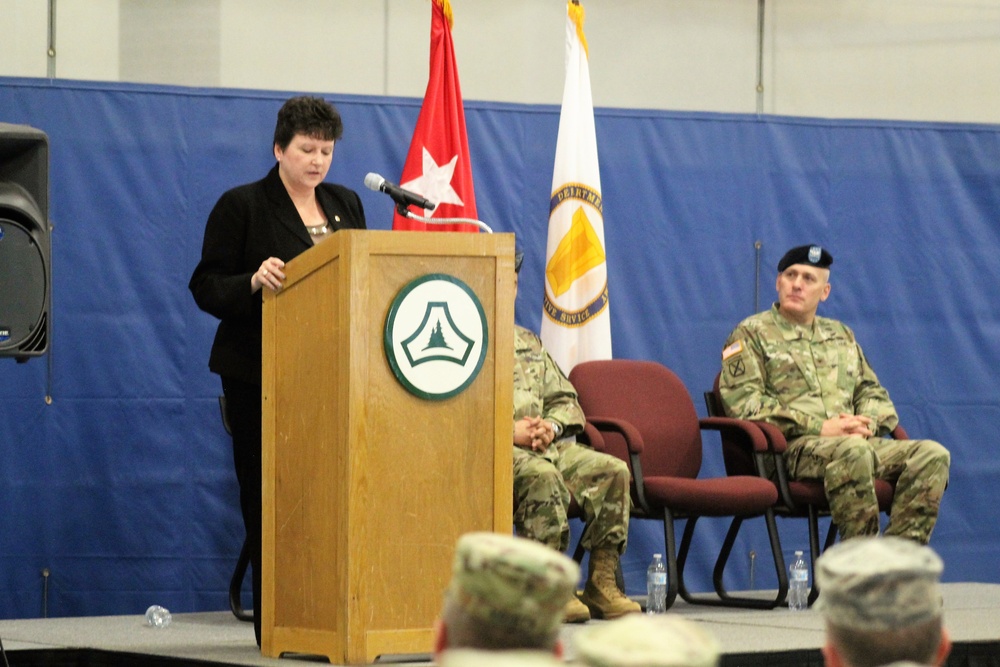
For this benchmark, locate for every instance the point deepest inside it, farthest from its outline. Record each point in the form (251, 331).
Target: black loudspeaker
(25, 242)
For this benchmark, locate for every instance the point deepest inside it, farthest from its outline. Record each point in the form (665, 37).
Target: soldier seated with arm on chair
(807, 376)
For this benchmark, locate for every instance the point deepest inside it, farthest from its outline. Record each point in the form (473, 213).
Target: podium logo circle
(436, 336)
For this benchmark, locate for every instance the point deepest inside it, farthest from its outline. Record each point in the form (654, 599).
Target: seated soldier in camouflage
(549, 464)
(808, 376)
(881, 602)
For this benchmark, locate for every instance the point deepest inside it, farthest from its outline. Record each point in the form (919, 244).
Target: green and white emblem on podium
(436, 336)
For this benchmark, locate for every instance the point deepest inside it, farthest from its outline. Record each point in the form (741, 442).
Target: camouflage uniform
(512, 585)
(647, 640)
(543, 481)
(879, 584)
(881, 600)
(796, 377)
(515, 658)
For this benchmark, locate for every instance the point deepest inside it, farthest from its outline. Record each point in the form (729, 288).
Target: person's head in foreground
(882, 603)
(645, 640)
(470, 657)
(506, 593)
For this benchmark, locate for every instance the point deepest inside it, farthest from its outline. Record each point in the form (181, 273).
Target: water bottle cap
(798, 553)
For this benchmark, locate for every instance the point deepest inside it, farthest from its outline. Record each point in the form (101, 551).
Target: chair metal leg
(831, 536)
(814, 549)
(725, 599)
(236, 585)
(579, 551)
(814, 552)
(682, 556)
(671, 556)
(779, 558)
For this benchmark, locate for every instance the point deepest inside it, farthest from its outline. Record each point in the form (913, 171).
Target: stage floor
(971, 614)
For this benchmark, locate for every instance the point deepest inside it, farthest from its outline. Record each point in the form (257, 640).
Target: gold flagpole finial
(446, 8)
(576, 14)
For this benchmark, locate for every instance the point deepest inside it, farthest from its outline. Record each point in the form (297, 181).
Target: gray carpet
(972, 614)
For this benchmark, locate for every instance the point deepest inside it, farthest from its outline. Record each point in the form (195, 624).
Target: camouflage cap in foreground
(879, 583)
(647, 640)
(515, 582)
(463, 657)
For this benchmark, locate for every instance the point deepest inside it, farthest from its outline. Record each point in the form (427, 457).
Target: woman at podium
(250, 234)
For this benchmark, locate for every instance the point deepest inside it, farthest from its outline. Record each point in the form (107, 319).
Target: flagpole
(576, 322)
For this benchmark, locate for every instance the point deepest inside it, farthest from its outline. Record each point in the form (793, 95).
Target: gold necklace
(317, 230)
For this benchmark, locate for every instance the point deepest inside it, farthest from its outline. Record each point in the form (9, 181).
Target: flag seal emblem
(435, 336)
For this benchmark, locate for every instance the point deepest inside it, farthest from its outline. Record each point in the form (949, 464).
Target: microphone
(402, 197)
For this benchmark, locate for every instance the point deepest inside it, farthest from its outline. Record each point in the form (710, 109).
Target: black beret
(813, 255)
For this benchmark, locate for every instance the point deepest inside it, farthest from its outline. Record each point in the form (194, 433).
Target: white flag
(576, 322)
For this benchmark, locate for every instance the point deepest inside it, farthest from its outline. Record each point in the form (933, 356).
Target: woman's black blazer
(249, 224)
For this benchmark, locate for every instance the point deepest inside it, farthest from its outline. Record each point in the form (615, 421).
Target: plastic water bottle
(656, 586)
(798, 584)
(158, 617)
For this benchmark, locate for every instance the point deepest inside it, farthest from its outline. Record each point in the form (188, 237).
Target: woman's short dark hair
(311, 116)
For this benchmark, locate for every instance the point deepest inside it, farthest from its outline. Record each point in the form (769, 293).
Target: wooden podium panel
(366, 486)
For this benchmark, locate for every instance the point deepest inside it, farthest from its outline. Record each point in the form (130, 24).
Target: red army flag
(437, 165)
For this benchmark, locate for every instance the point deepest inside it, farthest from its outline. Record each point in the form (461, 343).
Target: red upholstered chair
(646, 417)
(797, 498)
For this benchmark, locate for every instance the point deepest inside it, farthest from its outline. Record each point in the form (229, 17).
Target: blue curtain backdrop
(122, 489)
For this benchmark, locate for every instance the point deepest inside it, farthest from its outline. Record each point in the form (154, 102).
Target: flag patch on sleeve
(732, 350)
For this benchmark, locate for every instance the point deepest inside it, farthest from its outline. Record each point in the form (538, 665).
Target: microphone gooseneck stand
(407, 213)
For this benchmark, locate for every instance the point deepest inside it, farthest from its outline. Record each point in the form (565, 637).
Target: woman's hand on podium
(268, 275)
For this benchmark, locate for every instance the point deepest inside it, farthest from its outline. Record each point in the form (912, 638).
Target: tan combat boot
(576, 611)
(601, 594)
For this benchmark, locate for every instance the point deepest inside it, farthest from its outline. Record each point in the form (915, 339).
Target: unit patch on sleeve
(733, 359)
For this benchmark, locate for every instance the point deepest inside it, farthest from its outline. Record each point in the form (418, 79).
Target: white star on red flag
(434, 184)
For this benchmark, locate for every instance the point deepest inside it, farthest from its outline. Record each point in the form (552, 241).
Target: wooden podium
(366, 486)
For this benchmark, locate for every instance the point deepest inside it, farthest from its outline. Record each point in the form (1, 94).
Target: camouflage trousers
(848, 466)
(544, 481)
